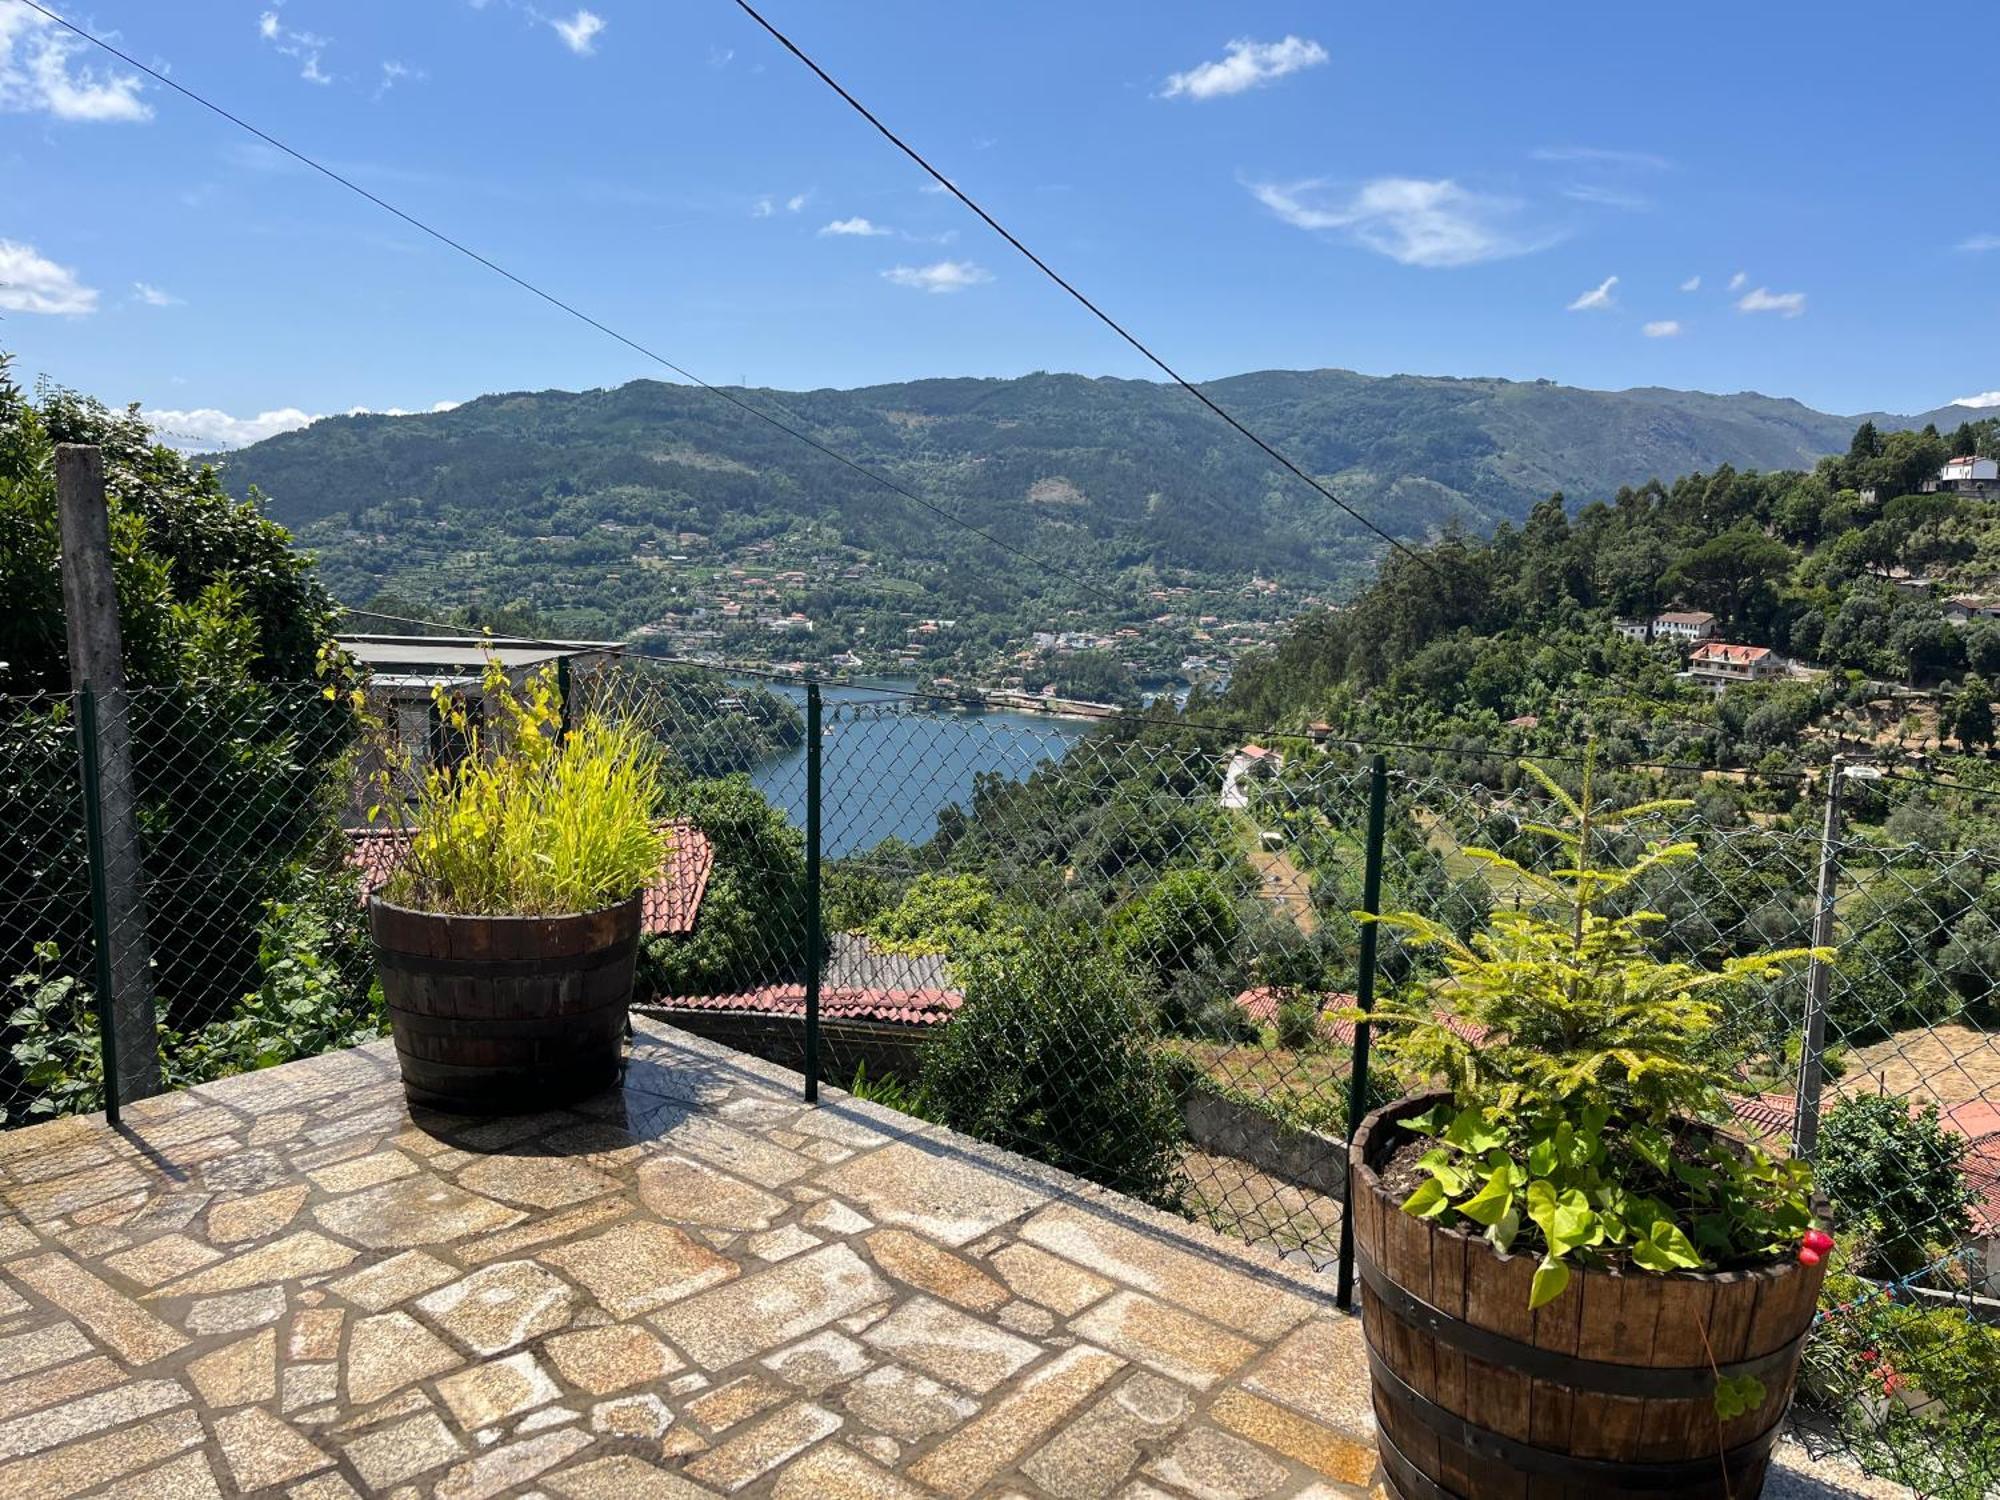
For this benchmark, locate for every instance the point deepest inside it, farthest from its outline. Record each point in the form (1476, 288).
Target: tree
(1895, 1174)
(1731, 572)
(238, 755)
(1972, 714)
(1048, 1056)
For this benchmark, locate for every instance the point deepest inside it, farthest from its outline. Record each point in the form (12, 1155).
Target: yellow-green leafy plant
(1585, 1120)
(532, 820)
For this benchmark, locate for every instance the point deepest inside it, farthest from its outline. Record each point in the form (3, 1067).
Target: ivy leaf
(1663, 1247)
(1428, 1201)
(1736, 1395)
(1490, 1202)
(1542, 1157)
(1550, 1279)
(1470, 1132)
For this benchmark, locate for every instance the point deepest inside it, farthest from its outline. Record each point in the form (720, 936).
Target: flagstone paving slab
(689, 1287)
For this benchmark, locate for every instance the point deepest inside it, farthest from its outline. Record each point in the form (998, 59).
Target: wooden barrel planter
(505, 1015)
(1605, 1391)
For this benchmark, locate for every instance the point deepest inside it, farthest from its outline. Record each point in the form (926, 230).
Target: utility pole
(1819, 978)
(97, 672)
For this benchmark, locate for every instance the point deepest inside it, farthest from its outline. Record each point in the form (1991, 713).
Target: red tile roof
(1729, 654)
(1982, 1175)
(902, 1007)
(671, 904)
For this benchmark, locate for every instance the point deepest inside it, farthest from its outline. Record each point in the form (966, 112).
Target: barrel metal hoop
(1526, 1458)
(1598, 1376)
(504, 968)
(1406, 1480)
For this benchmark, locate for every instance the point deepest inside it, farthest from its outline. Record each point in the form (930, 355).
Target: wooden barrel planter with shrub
(1608, 1390)
(497, 1015)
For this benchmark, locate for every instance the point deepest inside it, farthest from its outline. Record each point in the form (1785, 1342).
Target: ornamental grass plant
(533, 819)
(1588, 1120)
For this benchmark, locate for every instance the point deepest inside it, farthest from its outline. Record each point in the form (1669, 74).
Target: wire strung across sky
(557, 302)
(947, 185)
(1043, 266)
(756, 411)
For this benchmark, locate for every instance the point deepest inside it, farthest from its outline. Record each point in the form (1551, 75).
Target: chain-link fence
(1126, 948)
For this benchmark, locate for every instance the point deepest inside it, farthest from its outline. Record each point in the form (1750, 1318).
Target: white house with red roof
(1719, 664)
(1251, 763)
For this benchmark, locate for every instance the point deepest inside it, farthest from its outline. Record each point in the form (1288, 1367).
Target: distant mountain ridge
(1101, 473)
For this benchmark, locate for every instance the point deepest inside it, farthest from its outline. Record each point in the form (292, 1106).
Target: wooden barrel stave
(1433, 1397)
(496, 1015)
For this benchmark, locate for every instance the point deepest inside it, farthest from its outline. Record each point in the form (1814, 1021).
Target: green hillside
(576, 505)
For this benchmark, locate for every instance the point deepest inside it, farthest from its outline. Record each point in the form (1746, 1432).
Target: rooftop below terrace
(692, 1285)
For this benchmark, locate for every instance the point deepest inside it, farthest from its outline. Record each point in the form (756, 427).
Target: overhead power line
(575, 312)
(1288, 464)
(1047, 270)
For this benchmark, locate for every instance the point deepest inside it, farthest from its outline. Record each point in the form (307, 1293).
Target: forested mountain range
(571, 503)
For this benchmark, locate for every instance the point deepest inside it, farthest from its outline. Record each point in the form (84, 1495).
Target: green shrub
(1896, 1176)
(956, 915)
(1298, 1023)
(1167, 927)
(1568, 1131)
(753, 916)
(1048, 1056)
(534, 821)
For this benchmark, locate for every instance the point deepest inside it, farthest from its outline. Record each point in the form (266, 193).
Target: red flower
(1809, 1256)
(1818, 1240)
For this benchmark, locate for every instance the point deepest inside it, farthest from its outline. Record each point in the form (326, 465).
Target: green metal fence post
(813, 934)
(1364, 998)
(100, 906)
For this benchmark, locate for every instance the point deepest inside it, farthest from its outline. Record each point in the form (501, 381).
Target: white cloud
(796, 202)
(394, 72)
(1740, 280)
(1982, 400)
(37, 75)
(1978, 243)
(152, 296)
(1410, 220)
(1607, 197)
(1602, 155)
(579, 32)
(1598, 298)
(943, 276)
(1665, 328)
(762, 209)
(1246, 65)
(304, 46)
(1785, 304)
(32, 283)
(856, 225)
(205, 429)
(1692, 284)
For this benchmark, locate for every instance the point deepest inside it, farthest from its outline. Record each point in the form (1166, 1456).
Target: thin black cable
(554, 301)
(1043, 266)
(1100, 314)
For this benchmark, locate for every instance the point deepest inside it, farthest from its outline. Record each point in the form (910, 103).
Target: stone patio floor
(285, 1283)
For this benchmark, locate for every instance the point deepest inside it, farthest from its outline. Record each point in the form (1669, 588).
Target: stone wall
(1229, 1128)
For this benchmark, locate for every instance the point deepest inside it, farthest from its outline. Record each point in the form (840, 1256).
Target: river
(888, 770)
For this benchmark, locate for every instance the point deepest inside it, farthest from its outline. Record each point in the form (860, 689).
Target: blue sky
(1789, 198)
